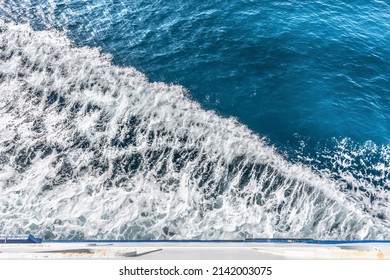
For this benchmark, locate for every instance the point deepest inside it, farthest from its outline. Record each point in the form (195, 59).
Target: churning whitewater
(92, 150)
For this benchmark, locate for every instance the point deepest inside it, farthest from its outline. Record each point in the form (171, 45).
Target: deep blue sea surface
(308, 78)
(284, 68)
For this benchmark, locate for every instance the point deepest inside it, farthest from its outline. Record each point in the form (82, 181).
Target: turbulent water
(90, 147)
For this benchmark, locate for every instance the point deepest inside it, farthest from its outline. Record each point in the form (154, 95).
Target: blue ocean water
(310, 78)
(283, 68)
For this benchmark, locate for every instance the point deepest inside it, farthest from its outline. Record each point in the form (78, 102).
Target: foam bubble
(92, 150)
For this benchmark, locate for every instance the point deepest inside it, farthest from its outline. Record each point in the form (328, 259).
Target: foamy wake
(92, 150)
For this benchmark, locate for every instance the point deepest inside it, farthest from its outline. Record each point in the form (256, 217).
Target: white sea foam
(92, 150)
